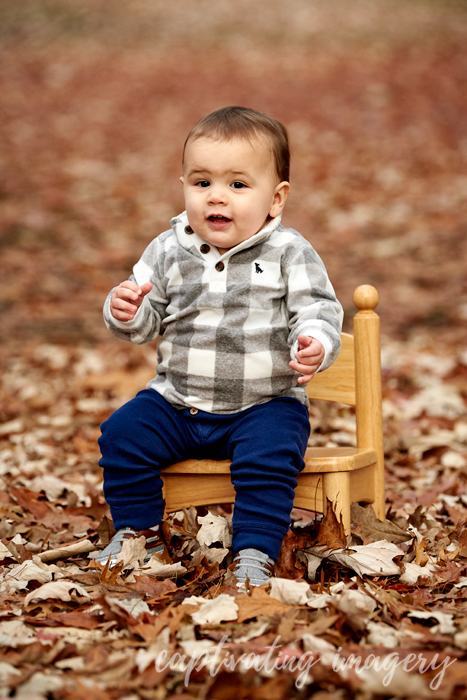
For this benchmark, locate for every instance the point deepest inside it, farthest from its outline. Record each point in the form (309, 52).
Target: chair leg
(336, 487)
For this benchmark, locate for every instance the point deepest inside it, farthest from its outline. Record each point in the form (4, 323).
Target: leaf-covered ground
(96, 100)
(69, 629)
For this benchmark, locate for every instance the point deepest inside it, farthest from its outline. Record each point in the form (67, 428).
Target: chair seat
(198, 466)
(183, 485)
(317, 460)
(338, 459)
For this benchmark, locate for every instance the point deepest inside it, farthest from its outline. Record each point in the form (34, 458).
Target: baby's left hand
(309, 357)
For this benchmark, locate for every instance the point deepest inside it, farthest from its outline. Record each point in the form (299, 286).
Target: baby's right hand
(127, 298)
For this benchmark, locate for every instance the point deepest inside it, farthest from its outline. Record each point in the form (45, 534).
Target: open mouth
(219, 219)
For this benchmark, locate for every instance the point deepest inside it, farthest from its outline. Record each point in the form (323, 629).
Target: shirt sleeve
(146, 324)
(312, 305)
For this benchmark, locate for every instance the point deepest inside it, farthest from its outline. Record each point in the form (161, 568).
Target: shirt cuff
(127, 325)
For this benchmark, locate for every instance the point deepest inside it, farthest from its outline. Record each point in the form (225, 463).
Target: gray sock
(251, 564)
(113, 548)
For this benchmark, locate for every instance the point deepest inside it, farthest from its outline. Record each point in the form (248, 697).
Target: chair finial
(365, 297)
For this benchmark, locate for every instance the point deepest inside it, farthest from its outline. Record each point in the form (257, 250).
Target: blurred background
(96, 99)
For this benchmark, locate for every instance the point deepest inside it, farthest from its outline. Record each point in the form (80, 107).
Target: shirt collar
(180, 223)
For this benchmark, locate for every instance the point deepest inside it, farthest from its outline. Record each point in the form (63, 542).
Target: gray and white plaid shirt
(229, 323)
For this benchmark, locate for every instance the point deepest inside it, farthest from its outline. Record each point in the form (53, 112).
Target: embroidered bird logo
(257, 268)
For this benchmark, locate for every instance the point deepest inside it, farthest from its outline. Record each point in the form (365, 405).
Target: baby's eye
(237, 185)
(203, 183)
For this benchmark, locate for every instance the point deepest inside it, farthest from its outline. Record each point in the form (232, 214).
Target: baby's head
(231, 123)
(235, 175)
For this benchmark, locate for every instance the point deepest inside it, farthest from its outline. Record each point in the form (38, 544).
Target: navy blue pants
(266, 444)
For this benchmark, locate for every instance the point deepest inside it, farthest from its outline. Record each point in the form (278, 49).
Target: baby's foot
(254, 565)
(154, 544)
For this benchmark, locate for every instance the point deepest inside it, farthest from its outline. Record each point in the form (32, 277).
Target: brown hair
(230, 122)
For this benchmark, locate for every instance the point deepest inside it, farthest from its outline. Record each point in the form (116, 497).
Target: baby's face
(230, 189)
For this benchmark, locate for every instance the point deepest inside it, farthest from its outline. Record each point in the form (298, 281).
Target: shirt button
(205, 248)
(193, 411)
(188, 230)
(220, 266)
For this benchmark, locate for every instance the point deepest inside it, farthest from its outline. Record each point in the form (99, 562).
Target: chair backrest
(355, 379)
(338, 382)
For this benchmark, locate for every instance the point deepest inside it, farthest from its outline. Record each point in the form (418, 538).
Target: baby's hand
(309, 357)
(127, 298)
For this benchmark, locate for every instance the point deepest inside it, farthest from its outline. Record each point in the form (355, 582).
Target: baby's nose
(217, 195)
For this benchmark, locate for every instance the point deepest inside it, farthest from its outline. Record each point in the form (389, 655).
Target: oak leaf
(259, 603)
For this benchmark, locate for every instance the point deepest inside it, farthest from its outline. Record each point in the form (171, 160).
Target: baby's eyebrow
(233, 173)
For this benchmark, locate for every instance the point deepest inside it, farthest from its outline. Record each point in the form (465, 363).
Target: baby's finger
(145, 288)
(126, 306)
(306, 375)
(304, 369)
(305, 379)
(304, 340)
(311, 351)
(126, 293)
(128, 284)
(122, 315)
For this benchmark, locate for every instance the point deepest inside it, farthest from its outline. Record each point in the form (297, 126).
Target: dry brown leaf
(75, 619)
(220, 609)
(421, 557)
(153, 587)
(214, 528)
(331, 534)
(70, 550)
(372, 529)
(288, 565)
(373, 559)
(412, 572)
(29, 500)
(60, 590)
(289, 592)
(258, 603)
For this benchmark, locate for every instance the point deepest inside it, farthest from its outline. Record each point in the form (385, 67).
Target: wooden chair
(342, 474)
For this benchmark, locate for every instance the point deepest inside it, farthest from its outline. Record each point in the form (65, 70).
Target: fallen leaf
(75, 619)
(321, 647)
(374, 559)
(289, 592)
(132, 606)
(331, 533)
(145, 657)
(286, 565)
(146, 584)
(412, 572)
(214, 528)
(357, 606)
(18, 578)
(158, 569)
(61, 590)
(133, 553)
(445, 620)
(67, 551)
(257, 604)
(373, 529)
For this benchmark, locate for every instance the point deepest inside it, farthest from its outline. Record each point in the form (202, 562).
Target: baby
(246, 316)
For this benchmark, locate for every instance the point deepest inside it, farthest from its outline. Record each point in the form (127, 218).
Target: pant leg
(266, 445)
(141, 437)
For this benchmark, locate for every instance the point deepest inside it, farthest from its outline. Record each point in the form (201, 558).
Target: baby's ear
(182, 180)
(280, 195)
